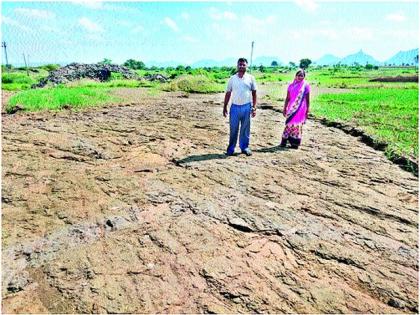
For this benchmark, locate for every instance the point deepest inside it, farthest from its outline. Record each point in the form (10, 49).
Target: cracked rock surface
(135, 209)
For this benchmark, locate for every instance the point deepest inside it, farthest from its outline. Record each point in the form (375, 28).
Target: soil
(136, 209)
(408, 78)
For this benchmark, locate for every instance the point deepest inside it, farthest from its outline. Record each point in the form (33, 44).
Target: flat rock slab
(135, 209)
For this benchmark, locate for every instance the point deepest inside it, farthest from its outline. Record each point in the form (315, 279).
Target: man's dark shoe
(247, 151)
(228, 154)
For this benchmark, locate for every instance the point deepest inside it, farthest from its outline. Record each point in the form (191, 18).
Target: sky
(186, 32)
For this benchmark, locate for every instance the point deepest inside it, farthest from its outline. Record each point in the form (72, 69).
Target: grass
(388, 115)
(18, 80)
(359, 78)
(61, 97)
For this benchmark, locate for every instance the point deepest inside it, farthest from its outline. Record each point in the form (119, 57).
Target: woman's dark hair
(301, 71)
(242, 60)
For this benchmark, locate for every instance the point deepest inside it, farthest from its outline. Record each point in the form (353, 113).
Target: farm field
(123, 201)
(386, 111)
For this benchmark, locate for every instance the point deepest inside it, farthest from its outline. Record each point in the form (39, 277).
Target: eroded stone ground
(135, 209)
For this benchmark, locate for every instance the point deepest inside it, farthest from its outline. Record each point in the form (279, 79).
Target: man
(241, 86)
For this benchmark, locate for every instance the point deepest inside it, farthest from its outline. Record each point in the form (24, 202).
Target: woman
(296, 109)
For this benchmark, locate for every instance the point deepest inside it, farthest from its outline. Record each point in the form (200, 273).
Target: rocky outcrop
(135, 209)
(77, 71)
(156, 77)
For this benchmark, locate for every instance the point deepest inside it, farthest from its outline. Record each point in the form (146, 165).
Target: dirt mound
(135, 209)
(399, 78)
(77, 71)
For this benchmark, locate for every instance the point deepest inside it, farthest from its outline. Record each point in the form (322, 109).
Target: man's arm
(254, 102)
(226, 102)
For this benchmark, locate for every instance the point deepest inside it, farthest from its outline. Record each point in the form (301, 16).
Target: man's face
(242, 66)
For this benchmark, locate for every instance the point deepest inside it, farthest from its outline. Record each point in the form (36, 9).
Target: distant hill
(407, 57)
(359, 58)
(163, 64)
(231, 62)
(328, 60)
(404, 58)
(265, 61)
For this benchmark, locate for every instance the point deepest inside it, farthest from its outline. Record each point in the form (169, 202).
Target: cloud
(190, 39)
(330, 34)
(95, 37)
(138, 29)
(52, 30)
(226, 33)
(89, 25)
(123, 23)
(171, 23)
(396, 17)
(360, 34)
(325, 22)
(308, 5)
(315, 33)
(40, 14)
(8, 21)
(226, 15)
(91, 4)
(185, 16)
(257, 26)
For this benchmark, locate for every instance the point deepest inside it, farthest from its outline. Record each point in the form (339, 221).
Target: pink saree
(295, 112)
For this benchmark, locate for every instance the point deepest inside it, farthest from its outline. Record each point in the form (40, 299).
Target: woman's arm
(286, 101)
(307, 104)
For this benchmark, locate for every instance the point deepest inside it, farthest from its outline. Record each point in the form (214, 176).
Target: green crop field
(388, 115)
(60, 97)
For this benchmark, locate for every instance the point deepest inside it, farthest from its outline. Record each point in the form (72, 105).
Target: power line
(3, 44)
(252, 51)
(27, 71)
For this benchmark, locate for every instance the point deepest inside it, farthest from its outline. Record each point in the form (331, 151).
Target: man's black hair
(242, 60)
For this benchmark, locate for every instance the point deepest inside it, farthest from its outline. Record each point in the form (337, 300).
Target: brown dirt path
(135, 209)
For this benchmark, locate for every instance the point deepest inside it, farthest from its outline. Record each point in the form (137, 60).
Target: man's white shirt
(241, 88)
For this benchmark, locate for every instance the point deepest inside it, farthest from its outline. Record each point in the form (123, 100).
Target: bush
(51, 67)
(134, 64)
(19, 78)
(116, 76)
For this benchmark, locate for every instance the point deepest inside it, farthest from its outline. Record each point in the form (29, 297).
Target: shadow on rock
(271, 149)
(202, 157)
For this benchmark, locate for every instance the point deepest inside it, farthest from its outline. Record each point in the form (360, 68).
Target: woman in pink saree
(296, 109)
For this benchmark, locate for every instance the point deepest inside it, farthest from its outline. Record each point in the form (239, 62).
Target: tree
(274, 63)
(416, 59)
(134, 64)
(368, 66)
(292, 64)
(261, 68)
(304, 63)
(106, 61)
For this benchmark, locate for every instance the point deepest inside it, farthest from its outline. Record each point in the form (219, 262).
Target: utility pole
(3, 44)
(252, 51)
(26, 65)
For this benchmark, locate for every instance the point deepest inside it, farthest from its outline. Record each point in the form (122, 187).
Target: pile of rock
(76, 71)
(156, 77)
